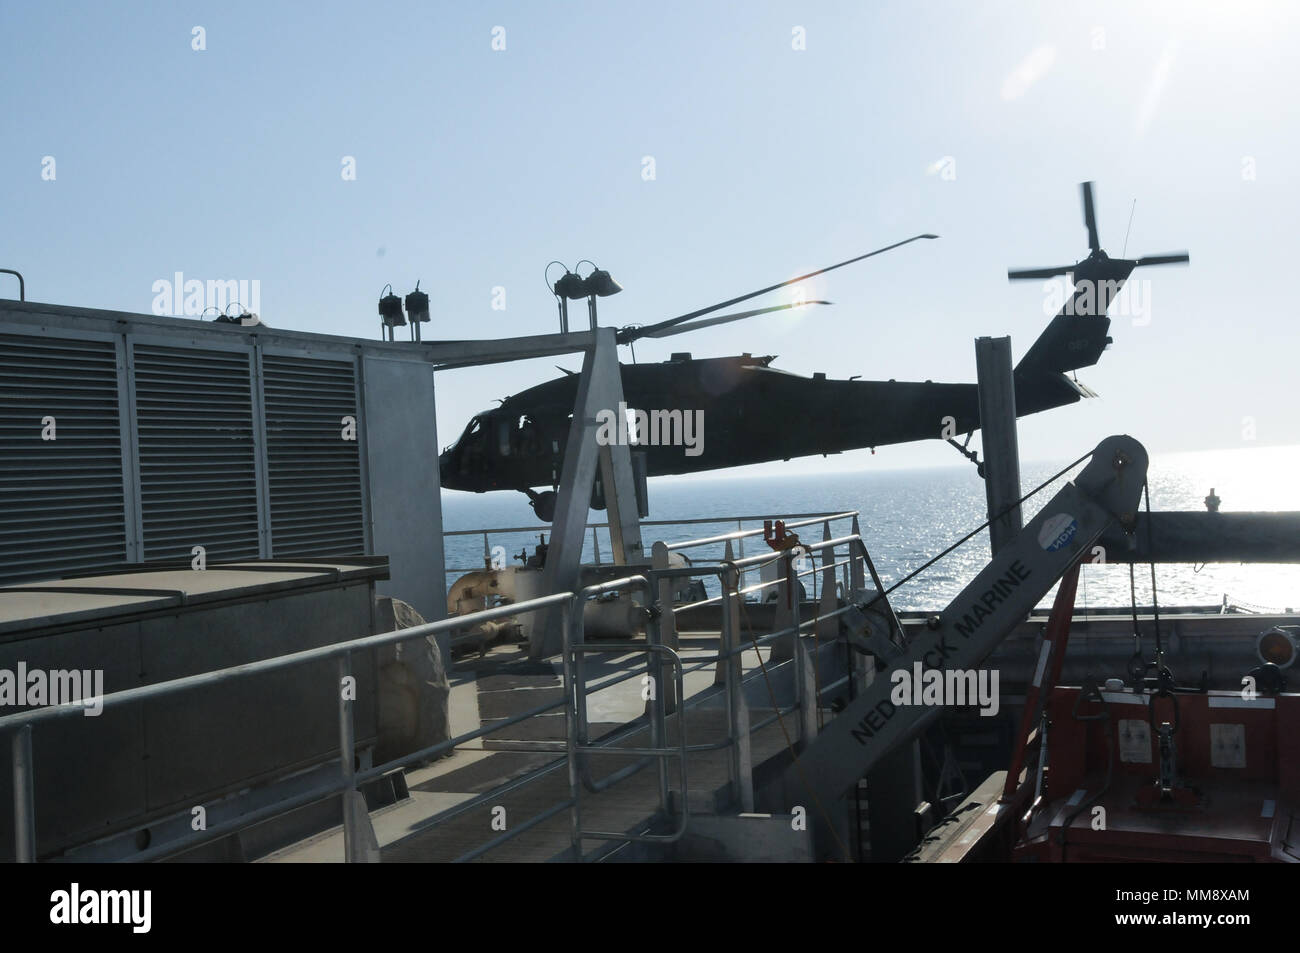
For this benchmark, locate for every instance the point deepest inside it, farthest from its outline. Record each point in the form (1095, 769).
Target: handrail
(333, 650)
(573, 701)
(693, 521)
(747, 533)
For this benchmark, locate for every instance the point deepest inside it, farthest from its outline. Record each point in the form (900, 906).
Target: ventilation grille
(314, 473)
(198, 476)
(61, 506)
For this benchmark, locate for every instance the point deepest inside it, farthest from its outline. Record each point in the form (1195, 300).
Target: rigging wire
(976, 531)
(1155, 600)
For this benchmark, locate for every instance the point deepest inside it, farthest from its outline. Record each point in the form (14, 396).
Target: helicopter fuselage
(687, 415)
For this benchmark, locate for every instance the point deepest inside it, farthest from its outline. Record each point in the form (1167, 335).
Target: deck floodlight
(417, 305)
(571, 286)
(390, 309)
(390, 312)
(600, 284)
(417, 309)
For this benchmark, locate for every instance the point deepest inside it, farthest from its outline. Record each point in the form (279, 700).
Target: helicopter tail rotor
(1174, 258)
(1023, 273)
(1090, 217)
(1098, 265)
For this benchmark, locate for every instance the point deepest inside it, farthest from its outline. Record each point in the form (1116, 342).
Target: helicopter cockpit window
(473, 440)
(503, 437)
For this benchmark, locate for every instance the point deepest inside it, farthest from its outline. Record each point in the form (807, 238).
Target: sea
(908, 516)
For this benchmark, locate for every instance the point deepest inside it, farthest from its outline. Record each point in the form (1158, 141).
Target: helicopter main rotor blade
(721, 319)
(645, 332)
(1090, 217)
(1022, 273)
(1174, 258)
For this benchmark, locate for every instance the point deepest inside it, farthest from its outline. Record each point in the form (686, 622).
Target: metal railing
(579, 749)
(792, 521)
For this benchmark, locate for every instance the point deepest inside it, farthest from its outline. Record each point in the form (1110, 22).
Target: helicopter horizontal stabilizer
(1069, 342)
(1080, 388)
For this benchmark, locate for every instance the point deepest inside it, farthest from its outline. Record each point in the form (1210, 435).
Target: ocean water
(908, 516)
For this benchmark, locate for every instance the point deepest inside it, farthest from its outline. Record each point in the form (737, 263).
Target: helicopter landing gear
(543, 504)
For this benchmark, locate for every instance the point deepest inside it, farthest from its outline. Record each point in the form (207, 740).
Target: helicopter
(757, 413)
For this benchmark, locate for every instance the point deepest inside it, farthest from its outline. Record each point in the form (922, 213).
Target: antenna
(1130, 226)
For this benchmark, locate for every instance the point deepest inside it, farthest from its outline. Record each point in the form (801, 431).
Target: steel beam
(1196, 537)
(997, 399)
(599, 388)
(966, 632)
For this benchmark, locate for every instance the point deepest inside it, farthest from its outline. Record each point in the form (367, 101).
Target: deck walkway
(506, 682)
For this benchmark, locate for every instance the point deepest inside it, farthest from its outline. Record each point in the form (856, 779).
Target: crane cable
(976, 531)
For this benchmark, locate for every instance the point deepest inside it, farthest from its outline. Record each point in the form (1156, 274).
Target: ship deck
(504, 683)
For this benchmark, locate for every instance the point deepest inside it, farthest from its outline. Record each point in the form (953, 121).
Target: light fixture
(600, 284)
(390, 312)
(1278, 646)
(417, 309)
(245, 318)
(571, 286)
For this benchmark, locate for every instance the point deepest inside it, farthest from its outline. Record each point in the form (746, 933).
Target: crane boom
(966, 632)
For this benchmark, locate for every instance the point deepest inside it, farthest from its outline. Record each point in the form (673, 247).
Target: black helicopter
(757, 413)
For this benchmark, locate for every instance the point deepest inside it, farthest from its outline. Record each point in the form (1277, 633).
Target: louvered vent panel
(61, 500)
(315, 475)
(198, 478)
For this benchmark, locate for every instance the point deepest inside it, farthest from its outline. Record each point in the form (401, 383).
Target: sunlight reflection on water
(907, 516)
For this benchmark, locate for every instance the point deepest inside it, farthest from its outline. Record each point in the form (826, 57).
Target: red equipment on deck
(1235, 790)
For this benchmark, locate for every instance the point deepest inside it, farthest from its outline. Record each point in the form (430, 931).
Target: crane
(962, 636)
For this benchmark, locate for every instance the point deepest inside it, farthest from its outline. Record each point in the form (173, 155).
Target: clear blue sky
(477, 167)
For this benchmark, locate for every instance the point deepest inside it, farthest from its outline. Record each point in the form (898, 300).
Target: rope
(977, 530)
(1155, 601)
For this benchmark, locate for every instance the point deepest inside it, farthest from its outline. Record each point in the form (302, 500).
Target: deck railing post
(796, 638)
(740, 548)
(857, 578)
(571, 731)
(24, 797)
(658, 717)
(740, 760)
(347, 753)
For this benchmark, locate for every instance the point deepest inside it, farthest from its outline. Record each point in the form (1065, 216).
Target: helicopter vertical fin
(1069, 342)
